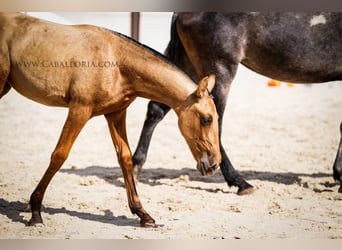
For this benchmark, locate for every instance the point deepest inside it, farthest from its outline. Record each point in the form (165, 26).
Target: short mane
(154, 52)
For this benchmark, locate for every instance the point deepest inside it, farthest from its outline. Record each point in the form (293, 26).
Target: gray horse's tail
(175, 50)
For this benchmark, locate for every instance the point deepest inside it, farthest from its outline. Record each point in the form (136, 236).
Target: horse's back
(298, 47)
(48, 60)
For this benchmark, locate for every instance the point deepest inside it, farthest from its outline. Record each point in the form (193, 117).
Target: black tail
(175, 50)
(177, 53)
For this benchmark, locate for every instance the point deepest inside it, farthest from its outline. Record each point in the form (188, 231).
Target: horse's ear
(211, 82)
(207, 83)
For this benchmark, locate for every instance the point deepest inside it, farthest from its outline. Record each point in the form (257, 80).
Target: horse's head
(198, 123)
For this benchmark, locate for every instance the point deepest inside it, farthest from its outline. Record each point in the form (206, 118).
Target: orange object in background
(276, 83)
(273, 83)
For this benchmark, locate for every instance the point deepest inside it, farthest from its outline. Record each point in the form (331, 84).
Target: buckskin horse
(93, 71)
(293, 47)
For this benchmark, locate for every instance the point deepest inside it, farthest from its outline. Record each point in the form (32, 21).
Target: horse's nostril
(213, 168)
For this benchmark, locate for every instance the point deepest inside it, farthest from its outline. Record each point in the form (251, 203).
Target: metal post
(135, 25)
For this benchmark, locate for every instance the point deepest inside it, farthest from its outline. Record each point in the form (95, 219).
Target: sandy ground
(283, 140)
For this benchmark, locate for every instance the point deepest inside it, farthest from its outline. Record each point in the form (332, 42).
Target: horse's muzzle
(207, 166)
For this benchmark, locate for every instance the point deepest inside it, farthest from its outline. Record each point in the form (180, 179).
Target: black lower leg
(155, 113)
(232, 177)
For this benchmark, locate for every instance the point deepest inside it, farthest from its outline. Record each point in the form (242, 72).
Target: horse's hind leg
(77, 118)
(4, 89)
(155, 113)
(337, 168)
(4, 72)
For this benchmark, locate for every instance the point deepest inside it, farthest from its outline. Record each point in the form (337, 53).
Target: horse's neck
(166, 87)
(155, 78)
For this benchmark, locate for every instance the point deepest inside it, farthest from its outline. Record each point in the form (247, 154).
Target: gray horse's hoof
(245, 188)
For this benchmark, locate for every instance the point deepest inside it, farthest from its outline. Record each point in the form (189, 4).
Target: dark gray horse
(294, 47)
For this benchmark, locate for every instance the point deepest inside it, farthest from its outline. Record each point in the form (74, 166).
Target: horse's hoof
(33, 222)
(35, 219)
(340, 189)
(246, 191)
(148, 223)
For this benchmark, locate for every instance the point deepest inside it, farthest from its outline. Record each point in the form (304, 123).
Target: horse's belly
(39, 91)
(42, 97)
(292, 70)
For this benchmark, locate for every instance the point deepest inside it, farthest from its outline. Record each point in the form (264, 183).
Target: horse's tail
(175, 50)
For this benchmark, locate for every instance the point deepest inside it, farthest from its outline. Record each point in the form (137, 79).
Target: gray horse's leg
(155, 113)
(224, 78)
(337, 168)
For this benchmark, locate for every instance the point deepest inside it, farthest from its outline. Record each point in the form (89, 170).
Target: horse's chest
(111, 101)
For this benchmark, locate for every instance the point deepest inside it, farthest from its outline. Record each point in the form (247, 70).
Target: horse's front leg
(337, 168)
(155, 113)
(77, 118)
(220, 93)
(117, 128)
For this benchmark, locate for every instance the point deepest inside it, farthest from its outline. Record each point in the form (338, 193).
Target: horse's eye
(205, 121)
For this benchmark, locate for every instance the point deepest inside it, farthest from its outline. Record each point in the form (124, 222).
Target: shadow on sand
(13, 210)
(152, 176)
